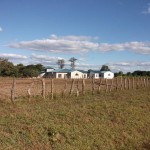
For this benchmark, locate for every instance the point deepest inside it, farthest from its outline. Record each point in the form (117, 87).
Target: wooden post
(137, 83)
(77, 87)
(65, 88)
(43, 88)
(72, 85)
(29, 90)
(99, 86)
(144, 82)
(111, 86)
(117, 83)
(147, 81)
(93, 86)
(133, 83)
(125, 83)
(106, 85)
(13, 90)
(128, 83)
(83, 87)
(121, 84)
(52, 88)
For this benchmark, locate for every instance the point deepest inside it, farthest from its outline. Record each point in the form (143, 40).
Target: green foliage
(9, 69)
(61, 63)
(104, 68)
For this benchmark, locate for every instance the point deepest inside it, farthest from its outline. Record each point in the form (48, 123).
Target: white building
(66, 73)
(94, 74)
(107, 74)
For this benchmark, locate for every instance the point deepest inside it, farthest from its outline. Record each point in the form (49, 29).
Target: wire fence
(12, 89)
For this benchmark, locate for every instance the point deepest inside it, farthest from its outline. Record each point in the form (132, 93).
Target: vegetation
(115, 120)
(73, 60)
(9, 69)
(104, 68)
(61, 63)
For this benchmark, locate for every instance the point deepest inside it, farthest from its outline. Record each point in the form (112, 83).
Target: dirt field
(22, 85)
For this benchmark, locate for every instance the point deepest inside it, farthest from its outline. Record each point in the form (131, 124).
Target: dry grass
(115, 120)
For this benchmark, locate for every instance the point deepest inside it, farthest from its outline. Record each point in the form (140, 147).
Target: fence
(14, 88)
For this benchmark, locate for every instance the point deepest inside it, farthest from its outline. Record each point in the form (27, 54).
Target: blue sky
(96, 32)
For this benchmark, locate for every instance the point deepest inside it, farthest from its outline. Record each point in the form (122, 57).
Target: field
(117, 120)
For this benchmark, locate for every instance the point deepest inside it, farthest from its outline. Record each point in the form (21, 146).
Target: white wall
(108, 75)
(61, 74)
(76, 75)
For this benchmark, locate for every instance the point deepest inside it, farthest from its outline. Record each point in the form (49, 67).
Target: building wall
(76, 75)
(61, 75)
(94, 75)
(108, 75)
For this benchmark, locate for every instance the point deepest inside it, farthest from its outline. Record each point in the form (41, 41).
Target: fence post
(77, 87)
(29, 90)
(112, 82)
(83, 87)
(72, 85)
(133, 83)
(13, 90)
(121, 83)
(106, 85)
(93, 86)
(117, 83)
(125, 83)
(128, 83)
(52, 88)
(43, 88)
(99, 86)
(65, 88)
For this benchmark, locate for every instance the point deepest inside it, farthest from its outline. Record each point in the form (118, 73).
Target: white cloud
(147, 11)
(12, 56)
(130, 66)
(79, 44)
(1, 29)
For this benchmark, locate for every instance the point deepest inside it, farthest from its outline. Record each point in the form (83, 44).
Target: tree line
(7, 68)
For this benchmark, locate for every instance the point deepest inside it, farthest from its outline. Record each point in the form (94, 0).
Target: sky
(96, 32)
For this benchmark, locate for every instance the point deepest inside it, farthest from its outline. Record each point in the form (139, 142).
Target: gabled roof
(95, 71)
(49, 67)
(83, 71)
(63, 70)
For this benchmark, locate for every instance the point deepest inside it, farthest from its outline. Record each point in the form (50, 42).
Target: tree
(7, 68)
(61, 63)
(104, 68)
(72, 60)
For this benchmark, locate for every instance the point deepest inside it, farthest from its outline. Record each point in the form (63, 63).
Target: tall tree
(61, 63)
(104, 68)
(72, 60)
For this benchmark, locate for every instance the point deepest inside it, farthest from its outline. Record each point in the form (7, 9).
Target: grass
(106, 121)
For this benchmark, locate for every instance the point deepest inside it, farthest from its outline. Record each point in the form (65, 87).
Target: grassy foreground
(107, 121)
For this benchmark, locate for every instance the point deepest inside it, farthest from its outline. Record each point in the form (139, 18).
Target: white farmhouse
(107, 74)
(66, 73)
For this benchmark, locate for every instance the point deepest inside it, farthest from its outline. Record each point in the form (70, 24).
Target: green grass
(108, 121)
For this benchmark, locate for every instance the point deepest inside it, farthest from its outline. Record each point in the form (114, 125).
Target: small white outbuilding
(107, 74)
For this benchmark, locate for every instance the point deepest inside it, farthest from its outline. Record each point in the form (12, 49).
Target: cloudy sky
(96, 32)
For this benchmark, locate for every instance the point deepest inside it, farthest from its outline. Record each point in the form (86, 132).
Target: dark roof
(83, 71)
(49, 67)
(95, 71)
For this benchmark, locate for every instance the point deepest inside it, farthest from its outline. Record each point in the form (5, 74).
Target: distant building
(107, 74)
(93, 74)
(66, 73)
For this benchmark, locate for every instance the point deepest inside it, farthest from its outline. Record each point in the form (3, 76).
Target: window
(76, 74)
(109, 74)
(59, 75)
